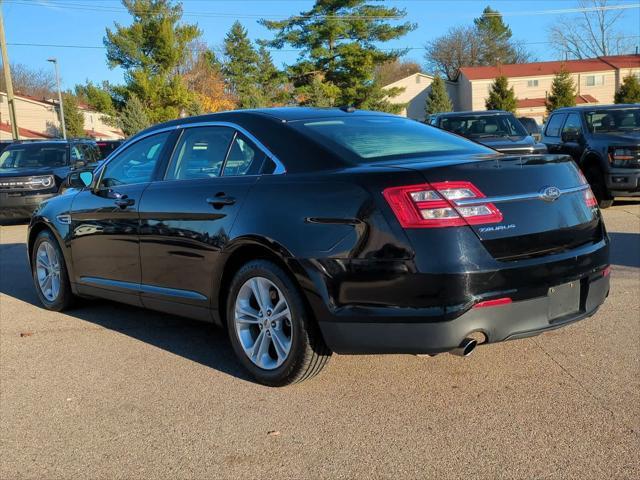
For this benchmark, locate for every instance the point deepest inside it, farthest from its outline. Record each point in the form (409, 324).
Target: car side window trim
(280, 168)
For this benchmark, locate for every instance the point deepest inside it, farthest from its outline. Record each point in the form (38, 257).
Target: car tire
(46, 256)
(595, 177)
(277, 352)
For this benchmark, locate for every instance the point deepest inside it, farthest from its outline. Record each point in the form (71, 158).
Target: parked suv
(604, 141)
(497, 129)
(31, 172)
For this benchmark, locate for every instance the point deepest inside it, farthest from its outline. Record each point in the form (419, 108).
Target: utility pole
(64, 128)
(15, 133)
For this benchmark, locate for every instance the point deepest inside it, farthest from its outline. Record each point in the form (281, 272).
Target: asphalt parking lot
(109, 391)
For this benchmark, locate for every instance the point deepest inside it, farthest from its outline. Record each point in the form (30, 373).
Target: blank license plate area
(564, 300)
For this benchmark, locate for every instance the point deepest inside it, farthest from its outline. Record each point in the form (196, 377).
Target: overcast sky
(83, 23)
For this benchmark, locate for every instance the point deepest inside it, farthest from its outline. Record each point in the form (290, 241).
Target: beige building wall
(94, 124)
(601, 85)
(33, 115)
(416, 89)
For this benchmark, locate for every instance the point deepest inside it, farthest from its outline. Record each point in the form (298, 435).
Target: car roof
(598, 107)
(280, 114)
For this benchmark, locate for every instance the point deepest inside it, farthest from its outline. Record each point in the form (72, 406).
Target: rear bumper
(516, 320)
(14, 206)
(624, 182)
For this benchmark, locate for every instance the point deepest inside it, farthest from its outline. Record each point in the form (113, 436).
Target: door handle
(220, 199)
(125, 202)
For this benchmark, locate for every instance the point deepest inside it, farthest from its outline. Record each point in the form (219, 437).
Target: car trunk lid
(544, 203)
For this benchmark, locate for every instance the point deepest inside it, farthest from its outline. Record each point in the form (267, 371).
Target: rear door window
(555, 124)
(200, 153)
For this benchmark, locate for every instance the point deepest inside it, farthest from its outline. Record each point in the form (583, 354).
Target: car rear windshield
(380, 138)
(34, 156)
(484, 126)
(613, 120)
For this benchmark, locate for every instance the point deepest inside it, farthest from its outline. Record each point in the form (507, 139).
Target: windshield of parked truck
(34, 156)
(484, 126)
(613, 120)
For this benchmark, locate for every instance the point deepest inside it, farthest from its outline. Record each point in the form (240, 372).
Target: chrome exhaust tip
(466, 348)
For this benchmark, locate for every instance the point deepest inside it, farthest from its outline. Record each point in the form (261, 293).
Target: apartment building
(596, 80)
(39, 119)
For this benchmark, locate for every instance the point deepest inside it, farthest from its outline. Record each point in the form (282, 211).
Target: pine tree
(73, 117)
(318, 93)
(629, 91)
(133, 117)
(563, 92)
(438, 99)
(340, 47)
(271, 80)
(495, 38)
(150, 51)
(501, 97)
(241, 67)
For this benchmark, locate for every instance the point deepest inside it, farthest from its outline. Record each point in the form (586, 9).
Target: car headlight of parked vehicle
(624, 156)
(41, 182)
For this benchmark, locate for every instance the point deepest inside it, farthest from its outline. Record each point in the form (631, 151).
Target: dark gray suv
(33, 171)
(496, 129)
(604, 140)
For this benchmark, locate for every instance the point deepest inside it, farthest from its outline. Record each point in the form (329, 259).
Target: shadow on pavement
(199, 342)
(625, 249)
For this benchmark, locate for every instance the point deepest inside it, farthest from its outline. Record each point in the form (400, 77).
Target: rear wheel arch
(247, 250)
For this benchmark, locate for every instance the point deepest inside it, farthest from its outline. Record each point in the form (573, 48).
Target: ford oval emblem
(549, 194)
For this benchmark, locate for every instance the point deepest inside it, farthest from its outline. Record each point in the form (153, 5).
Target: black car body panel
(519, 142)
(372, 285)
(593, 149)
(19, 197)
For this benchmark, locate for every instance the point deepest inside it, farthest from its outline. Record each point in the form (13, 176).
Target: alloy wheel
(263, 323)
(48, 271)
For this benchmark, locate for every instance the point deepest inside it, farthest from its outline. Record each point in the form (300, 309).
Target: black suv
(497, 129)
(31, 172)
(604, 141)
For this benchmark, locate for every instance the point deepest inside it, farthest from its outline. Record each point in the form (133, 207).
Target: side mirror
(80, 179)
(570, 136)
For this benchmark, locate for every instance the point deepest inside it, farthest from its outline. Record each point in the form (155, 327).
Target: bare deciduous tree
(592, 33)
(27, 81)
(395, 70)
(459, 47)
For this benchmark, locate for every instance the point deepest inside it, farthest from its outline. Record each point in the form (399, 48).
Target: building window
(532, 83)
(594, 80)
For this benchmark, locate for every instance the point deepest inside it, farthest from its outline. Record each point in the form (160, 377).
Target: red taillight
(493, 303)
(607, 271)
(589, 198)
(435, 205)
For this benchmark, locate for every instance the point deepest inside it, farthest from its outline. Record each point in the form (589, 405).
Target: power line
(105, 8)
(54, 45)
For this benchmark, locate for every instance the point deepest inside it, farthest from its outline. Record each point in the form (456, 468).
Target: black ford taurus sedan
(306, 231)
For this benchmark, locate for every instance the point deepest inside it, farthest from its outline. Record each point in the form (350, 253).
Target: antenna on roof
(348, 108)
